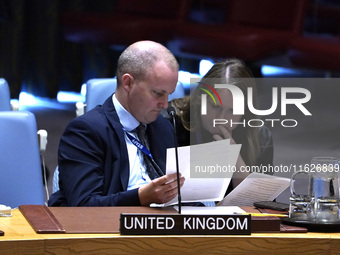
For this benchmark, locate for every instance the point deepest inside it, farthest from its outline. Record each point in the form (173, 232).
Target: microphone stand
(172, 113)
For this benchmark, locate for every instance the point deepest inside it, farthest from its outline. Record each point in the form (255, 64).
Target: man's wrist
(141, 196)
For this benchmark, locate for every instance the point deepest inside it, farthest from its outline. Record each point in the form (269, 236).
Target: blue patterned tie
(152, 168)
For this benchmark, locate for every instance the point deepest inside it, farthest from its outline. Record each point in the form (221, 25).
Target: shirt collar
(128, 122)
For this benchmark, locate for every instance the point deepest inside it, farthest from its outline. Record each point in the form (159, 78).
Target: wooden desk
(20, 238)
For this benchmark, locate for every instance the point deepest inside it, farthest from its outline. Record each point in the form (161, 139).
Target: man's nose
(164, 102)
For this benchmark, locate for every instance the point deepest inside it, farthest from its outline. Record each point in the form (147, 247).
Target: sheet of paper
(256, 187)
(211, 163)
(215, 210)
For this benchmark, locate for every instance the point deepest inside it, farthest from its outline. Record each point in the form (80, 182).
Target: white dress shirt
(138, 175)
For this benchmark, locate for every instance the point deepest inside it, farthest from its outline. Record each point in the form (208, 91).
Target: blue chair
(97, 91)
(21, 180)
(55, 180)
(179, 92)
(5, 99)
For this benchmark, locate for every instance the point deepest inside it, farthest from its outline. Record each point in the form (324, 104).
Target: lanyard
(145, 150)
(139, 145)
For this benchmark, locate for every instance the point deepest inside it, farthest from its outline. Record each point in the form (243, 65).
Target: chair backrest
(5, 99)
(275, 14)
(179, 91)
(21, 179)
(55, 180)
(98, 90)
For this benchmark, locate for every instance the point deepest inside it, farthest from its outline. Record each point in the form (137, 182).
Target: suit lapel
(117, 128)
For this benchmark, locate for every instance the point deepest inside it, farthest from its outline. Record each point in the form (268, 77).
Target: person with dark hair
(194, 127)
(114, 155)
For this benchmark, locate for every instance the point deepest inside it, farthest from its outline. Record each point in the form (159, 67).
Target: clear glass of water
(324, 188)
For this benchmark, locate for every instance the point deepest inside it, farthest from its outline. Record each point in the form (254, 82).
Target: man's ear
(127, 81)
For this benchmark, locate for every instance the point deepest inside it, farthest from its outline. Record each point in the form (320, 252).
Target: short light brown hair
(140, 57)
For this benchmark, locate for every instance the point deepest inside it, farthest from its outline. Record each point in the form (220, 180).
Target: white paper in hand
(212, 162)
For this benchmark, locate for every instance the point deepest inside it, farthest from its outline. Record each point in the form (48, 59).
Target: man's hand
(160, 190)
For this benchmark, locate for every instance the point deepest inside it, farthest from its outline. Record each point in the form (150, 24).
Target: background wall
(34, 56)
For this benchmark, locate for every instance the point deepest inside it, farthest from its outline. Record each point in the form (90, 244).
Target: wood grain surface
(20, 238)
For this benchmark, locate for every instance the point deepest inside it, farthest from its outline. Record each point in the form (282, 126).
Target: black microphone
(171, 111)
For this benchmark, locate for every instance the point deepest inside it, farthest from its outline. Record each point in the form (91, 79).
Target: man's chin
(151, 118)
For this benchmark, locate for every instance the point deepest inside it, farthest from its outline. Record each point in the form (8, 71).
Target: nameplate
(179, 224)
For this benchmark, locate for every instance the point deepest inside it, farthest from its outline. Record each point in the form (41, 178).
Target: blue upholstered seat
(21, 180)
(98, 90)
(5, 99)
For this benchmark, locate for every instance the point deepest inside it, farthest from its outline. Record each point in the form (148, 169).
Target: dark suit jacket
(93, 159)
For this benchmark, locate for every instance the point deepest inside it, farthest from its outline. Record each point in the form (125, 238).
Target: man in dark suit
(100, 163)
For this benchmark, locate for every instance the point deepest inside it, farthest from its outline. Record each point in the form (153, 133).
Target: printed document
(216, 210)
(255, 188)
(207, 169)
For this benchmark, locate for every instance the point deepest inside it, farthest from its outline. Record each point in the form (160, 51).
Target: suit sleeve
(90, 163)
